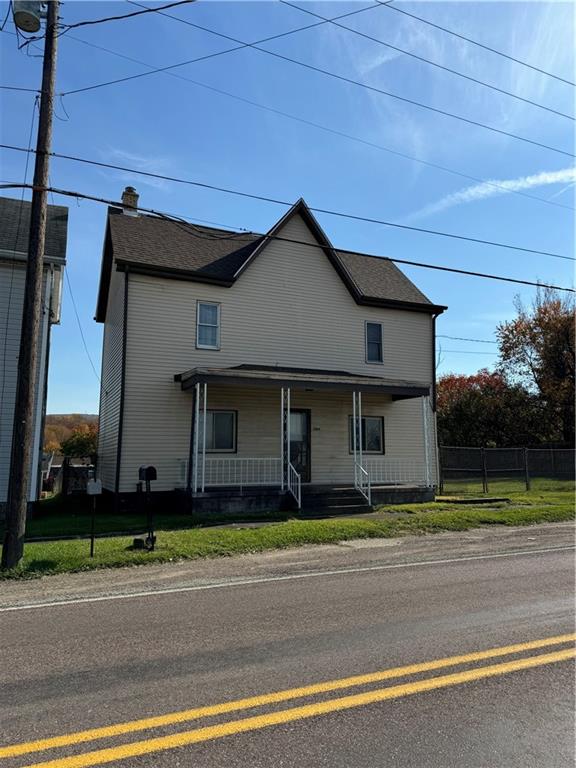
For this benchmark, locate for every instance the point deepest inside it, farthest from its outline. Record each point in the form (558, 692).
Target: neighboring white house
(237, 361)
(14, 230)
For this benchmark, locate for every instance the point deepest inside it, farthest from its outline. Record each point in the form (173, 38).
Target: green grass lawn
(525, 508)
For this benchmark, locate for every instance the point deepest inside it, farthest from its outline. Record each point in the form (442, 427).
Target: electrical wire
(465, 352)
(18, 88)
(214, 55)
(474, 42)
(429, 61)
(66, 27)
(3, 24)
(462, 338)
(179, 219)
(89, 356)
(275, 201)
(328, 73)
(334, 131)
(328, 129)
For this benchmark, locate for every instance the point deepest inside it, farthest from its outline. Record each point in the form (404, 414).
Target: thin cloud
(151, 164)
(487, 189)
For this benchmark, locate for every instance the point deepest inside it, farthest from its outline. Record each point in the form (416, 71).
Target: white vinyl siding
(111, 382)
(289, 308)
(12, 277)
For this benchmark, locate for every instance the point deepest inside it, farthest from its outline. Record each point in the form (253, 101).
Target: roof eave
(432, 309)
(170, 272)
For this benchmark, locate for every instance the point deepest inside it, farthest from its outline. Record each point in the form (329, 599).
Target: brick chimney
(130, 201)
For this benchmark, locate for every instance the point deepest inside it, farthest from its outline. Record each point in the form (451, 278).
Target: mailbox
(147, 473)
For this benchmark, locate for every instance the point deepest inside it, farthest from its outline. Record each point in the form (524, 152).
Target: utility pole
(23, 433)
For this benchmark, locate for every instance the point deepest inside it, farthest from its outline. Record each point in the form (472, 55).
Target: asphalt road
(269, 624)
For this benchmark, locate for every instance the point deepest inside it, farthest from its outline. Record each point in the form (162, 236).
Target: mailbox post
(146, 474)
(93, 488)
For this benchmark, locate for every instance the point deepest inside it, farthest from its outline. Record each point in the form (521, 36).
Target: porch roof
(302, 378)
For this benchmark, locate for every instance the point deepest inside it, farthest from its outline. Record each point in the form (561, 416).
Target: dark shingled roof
(15, 227)
(160, 246)
(153, 242)
(379, 278)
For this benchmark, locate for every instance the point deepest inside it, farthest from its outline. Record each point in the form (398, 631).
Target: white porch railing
(395, 471)
(362, 481)
(295, 484)
(238, 472)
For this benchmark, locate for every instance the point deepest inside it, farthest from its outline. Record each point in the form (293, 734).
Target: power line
(18, 88)
(475, 42)
(328, 129)
(462, 338)
(179, 219)
(209, 55)
(429, 61)
(276, 201)
(66, 27)
(313, 68)
(466, 352)
(80, 326)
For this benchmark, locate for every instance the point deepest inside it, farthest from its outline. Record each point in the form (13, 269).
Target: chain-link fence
(489, 470)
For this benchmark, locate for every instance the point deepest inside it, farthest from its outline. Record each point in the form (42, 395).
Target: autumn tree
(537, 349)
(484, 409)
(82, 442)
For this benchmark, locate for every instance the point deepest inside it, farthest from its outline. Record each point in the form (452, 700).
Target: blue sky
(169, 125)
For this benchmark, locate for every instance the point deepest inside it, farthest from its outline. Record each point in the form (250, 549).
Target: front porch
(271, 438)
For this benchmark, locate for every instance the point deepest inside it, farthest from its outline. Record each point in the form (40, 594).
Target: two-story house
(250, 369)
(14, 232)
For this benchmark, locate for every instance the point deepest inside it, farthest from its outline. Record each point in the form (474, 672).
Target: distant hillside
(59, 426)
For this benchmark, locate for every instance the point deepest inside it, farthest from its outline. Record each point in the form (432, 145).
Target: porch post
(426, 440)
(204, 436)
(282, 437)
(195, 443)
(288, 428)
(354, 427)
(360, 428)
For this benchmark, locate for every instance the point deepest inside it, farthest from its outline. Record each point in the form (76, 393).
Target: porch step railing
(395, 471)
(295, 484)
(362, 481)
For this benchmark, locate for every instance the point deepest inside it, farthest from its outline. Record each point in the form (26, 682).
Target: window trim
(382, 432)
(235, 430)
(368, 361)
(216, 304)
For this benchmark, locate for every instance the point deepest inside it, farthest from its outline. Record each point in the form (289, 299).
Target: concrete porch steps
(333, 500)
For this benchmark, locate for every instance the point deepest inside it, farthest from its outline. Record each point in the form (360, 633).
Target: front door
(300, 443)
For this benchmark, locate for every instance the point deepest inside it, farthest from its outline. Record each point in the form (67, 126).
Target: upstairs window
(373, 342)
(208, 325)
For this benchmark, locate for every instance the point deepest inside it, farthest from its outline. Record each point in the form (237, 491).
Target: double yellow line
(183, 738)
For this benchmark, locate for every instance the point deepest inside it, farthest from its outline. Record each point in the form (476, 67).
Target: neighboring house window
(208, 325)
(372, 434)
(373, 342)
(221, 431)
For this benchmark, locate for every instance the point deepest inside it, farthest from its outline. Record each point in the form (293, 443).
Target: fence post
(484, 471)
(440, 469)
(526, 470)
